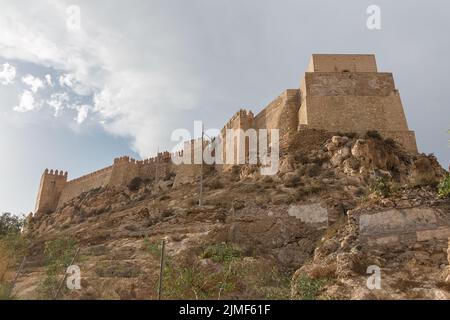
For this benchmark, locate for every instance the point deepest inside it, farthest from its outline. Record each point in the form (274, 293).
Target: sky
(83, 82)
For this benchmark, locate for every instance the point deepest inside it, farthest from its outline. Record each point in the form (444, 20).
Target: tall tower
(346, 93)
(50, 188)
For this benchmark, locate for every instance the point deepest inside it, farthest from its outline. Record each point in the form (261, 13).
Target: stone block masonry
(338, 93)
(346, 93)
(408, 226)
(55, 190)
(50, 189)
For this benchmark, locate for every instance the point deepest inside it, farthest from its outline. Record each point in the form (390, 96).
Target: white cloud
(34, 82)
(139, 82)
(26, 102)
(82, 113)
(67, 80)
(58, 101)
(7, 73)
(48, 79)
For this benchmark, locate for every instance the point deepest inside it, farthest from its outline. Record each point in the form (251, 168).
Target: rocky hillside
(339, 204)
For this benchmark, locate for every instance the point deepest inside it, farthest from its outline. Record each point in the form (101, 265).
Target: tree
(10, 224)
(12, 249)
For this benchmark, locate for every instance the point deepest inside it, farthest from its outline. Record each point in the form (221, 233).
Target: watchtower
(346, 93)
(50, 188)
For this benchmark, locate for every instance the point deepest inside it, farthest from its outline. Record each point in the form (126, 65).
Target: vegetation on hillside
(59, 253)
(219, 271)
(444, 187)
(12, 249)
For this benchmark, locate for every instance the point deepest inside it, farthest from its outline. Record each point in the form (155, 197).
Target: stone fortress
(338, 93)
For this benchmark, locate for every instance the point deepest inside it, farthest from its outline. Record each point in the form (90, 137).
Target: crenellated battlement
(55, 173)
(240, 117)
(51, 186)
(90, 175)
(161, 157)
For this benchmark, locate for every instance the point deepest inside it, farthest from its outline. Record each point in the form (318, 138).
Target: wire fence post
(161, 269)
(157, 167)
(13, 284)
(65, 274)
(200, 200)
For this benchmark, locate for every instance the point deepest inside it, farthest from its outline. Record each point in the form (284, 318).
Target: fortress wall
(149, 170)
(342, 62)
(243, 119)
(282, 114)
(268, 117)
(187, 173)
(85, 183)
(350, 113)
(288, 119)
(358, 114)
(348, 84)
(119, 174)
(155, 168)
(124, 169)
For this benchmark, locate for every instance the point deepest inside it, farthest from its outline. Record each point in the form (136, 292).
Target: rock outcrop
(338, 205)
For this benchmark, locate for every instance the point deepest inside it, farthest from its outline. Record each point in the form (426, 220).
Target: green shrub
(152, 247)
(191, 282)
(382, 186)
(222, 252)
(275, 285)
(195, 281)
(5, 292)
(308, 288)
(444, 187)
(59, 253)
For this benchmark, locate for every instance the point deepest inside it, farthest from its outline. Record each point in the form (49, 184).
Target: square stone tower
(50, 189)
(346, 93)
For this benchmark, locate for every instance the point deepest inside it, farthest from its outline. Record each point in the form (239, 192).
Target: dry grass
(6, 262)
(215, 184)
